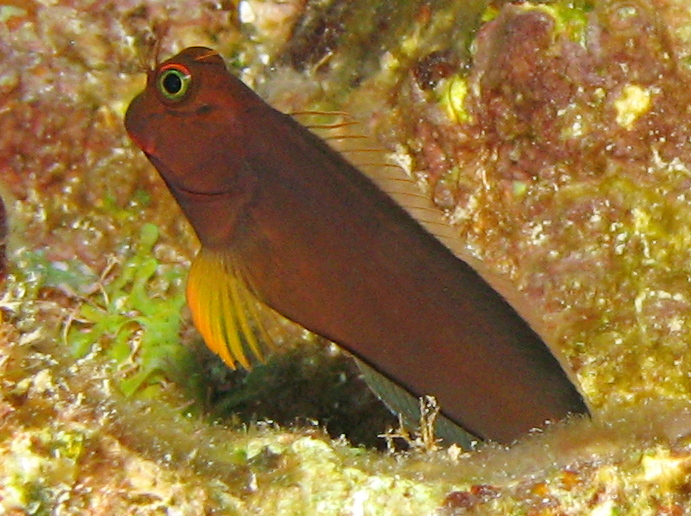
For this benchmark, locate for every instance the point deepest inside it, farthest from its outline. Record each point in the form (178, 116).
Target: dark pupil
(172, 83)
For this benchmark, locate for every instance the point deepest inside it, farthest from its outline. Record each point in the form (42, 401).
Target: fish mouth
(175, 186)
(202, 195)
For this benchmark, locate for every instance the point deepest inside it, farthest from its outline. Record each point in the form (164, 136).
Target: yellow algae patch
(453, 94)
(663, 468)
(633, 102)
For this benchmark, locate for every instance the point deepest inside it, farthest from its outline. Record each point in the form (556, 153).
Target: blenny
(362, 259)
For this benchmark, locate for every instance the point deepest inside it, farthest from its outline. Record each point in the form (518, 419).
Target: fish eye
(173, 82)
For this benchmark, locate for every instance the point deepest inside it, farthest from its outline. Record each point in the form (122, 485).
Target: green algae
(135, 318)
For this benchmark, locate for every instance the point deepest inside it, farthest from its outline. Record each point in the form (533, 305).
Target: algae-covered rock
(554, 135)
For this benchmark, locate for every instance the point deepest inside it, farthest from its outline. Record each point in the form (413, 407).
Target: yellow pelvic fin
(225, 311)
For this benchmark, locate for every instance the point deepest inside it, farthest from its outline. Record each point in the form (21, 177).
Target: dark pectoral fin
(403, 403)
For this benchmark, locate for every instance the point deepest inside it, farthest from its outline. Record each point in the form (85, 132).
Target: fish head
(190, 122)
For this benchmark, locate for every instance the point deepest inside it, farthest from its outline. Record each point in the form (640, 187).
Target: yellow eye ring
(173, 82)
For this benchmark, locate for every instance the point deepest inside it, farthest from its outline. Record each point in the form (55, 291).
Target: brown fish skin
(323, 246)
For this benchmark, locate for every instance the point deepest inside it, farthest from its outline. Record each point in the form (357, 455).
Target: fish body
(293, 221)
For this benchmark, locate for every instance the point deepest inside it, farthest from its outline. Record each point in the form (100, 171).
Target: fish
(362, 259)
